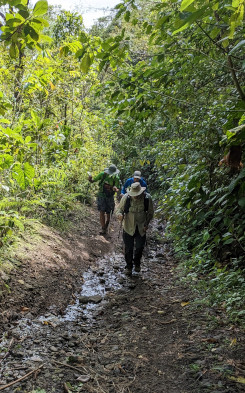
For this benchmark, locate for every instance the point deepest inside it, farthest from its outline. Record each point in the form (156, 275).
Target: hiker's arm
(144, 185)
(96, 178)
(117, 184)
(124, 187)
(120, 209)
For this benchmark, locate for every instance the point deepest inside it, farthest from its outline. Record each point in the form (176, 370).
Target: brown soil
(149, 335)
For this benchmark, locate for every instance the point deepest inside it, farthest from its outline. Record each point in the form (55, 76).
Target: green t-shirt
(106, 183)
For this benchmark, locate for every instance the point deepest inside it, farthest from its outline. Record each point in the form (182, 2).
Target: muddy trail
(73, 322)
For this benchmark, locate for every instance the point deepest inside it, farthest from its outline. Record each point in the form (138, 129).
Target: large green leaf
(241, 43)
(29, 171)
(28, 30)
(85, 63)
(40, 8)
(185, 4)
(190, 20)
(13, 50)
(19, 176)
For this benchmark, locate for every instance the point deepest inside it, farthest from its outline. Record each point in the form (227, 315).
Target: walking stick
(120, 228)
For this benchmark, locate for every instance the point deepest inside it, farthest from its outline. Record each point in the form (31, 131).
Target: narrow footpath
(71, 321)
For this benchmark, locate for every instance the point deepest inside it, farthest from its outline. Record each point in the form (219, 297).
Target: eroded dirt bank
(74, 323)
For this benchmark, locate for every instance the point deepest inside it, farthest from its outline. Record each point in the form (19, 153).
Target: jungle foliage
(160, 88)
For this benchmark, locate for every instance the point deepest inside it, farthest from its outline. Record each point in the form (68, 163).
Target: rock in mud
(90, 299)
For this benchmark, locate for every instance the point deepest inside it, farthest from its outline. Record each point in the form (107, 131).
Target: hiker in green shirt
(109, 183)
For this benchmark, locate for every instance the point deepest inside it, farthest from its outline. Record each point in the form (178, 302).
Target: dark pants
(130, 241)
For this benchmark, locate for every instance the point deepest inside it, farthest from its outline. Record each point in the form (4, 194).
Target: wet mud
(123, 334)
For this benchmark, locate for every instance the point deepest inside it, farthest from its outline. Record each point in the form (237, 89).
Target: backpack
(128, 201)
(107, 188)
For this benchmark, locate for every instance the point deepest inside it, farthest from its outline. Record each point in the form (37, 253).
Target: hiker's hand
(90, 179)
(115, 188)
(145, 228)
(120, 217)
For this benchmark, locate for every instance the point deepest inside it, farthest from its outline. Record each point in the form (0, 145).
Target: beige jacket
(136, 215)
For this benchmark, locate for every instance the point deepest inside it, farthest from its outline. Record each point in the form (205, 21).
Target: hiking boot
(137, 268)
(128, 271)
(103, 231)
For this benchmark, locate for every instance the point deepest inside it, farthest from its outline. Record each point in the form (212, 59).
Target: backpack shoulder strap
(127, 205)
(128, 200)
(146, 203)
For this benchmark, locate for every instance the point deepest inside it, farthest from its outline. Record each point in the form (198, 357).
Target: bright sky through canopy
(90, 9)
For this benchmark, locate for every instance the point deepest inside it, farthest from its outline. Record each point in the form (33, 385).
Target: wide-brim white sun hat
(136, 189)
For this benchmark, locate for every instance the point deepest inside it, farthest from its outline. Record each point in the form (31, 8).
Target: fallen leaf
(143, 358)
(238, 379)
(210, 340)
(160, 312)
(183, 304)
(66, 388)
(233, 342)
(83, 378)
(167, 322)
(24, 309)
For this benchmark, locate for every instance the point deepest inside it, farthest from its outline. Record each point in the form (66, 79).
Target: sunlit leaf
(185, 4)
(40, 8)
(237, 379)
(85, 63)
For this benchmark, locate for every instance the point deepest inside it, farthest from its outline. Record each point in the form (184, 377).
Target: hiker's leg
(102, 219)
(101, 205)
(108, 216)
(129, 249)
(109, 208)
(139, 247)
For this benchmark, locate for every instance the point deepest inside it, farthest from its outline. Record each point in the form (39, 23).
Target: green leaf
(206, 236)
(64, 50)
(13, 50)
(24, 13)
(40, 8)
(85, 63)
(19, 176)
(29, 171)
(185, 4)
(79, 54)
(12, 21)
(228, 241)
(241, 202)
(28, 30)
(241, 43)
(191, 19)
(43, 21)
(127, 16)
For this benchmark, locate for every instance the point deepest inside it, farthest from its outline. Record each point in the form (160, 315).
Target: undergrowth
(214, 285)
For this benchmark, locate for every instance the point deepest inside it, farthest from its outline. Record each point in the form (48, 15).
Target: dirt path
(77, 324)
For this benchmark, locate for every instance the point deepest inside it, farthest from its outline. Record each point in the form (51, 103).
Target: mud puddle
(33, 341)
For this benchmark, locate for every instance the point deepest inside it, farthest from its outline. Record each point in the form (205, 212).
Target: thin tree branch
(21, 379)
(237, 84)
